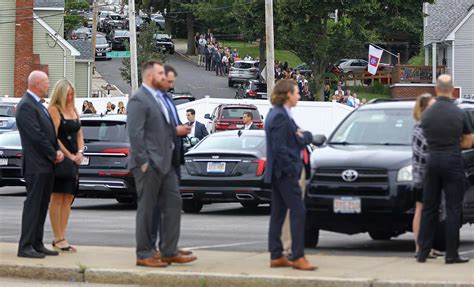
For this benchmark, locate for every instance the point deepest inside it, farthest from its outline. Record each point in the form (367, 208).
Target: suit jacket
(38, 136)
(151, 136)
(178, 141)
(283, 145)
(200, 130)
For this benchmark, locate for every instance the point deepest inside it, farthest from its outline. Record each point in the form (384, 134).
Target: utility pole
(270, 49)
(133, 45)
(94, 32)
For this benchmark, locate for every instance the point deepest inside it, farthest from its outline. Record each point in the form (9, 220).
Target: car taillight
(19, 155)
(118, 151)
(252, 93)
(260, 166)
(259, 125)
(222, 125)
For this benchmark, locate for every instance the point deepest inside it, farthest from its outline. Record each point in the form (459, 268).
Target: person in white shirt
(198, 130)
(248, 121)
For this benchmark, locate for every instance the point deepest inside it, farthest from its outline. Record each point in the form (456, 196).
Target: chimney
(23, 45)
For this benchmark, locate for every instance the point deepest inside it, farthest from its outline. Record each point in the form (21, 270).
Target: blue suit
(200, 130)
(283, 171)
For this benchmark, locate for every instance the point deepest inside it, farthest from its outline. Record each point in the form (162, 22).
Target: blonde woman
(121, 109)
(67, 126)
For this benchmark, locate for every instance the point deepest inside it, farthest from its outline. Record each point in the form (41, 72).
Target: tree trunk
(318, 72)
(190, 28)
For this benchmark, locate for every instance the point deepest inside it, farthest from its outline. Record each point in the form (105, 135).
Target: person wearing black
(208, 56)
(71, 141)
(447, 129)
(40, 154)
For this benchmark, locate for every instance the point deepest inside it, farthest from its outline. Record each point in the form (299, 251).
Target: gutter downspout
(89, 75)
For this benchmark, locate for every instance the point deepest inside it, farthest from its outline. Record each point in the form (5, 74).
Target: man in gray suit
(151, 129)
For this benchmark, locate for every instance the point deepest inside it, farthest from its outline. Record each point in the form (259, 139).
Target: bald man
(447, 130)
(40, 153)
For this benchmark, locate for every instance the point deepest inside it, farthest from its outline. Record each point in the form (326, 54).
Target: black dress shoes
(47, 252)
(457, 260)
(30, 253)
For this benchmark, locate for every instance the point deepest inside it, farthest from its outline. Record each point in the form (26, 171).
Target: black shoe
(47, 252)
(457, 260)
(30, 253)
(421, 259)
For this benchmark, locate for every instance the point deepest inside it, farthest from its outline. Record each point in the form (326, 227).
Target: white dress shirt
(193, 129)
(247, 127)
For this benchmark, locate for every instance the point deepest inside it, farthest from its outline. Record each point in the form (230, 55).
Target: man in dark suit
(285, 143)
(40, 153)
(198, 130)
(247, 118)
(153, 158)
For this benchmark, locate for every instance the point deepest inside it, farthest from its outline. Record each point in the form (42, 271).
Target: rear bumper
(106, 187)
(226, 194)
(241, 78)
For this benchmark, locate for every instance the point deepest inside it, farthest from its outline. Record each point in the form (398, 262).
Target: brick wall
(25, 60)
(400, 92)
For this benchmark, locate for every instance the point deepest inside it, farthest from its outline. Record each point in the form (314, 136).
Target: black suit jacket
(38, 137)
(200, 130)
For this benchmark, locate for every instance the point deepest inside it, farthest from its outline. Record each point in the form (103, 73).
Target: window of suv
(375, 127)
(7, 111)
(10, 139)
(104, 131)
(237, 113)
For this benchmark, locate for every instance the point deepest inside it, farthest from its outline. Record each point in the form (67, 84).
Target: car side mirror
(194, 141)
(207, 116)
(319, 140)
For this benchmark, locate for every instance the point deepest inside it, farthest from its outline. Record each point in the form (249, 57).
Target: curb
(186, 57)
(179, 279)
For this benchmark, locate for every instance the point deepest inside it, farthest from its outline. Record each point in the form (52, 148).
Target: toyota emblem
(350, 175)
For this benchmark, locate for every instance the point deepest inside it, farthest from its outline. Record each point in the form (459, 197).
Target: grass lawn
(252, 49)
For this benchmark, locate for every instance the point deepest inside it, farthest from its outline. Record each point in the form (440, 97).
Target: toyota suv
(361, 176)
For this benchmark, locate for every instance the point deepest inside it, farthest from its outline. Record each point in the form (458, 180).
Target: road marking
(466, 252)
(224, 245)
(8, 236)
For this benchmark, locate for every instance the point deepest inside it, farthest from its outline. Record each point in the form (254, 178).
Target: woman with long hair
(67, 125)
(121, 109)
(420, 147)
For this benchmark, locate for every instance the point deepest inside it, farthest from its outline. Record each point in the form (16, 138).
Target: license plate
(99, 54)
(3, 161)
(216, 167)
(85, 160)
(347, 205)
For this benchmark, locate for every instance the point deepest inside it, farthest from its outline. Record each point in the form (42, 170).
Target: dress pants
(35, 208)
(156, 189)
(286, 232)
(444, 171)
(208, 63)
(286, 194)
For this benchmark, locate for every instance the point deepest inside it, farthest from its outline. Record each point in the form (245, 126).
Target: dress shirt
(247, 127)
(193, 129)
(38, 99)
(159, 98)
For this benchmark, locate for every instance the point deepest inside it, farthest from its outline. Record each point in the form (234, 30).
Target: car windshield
(237, 113)
(104, 131)
(10, 139)
(101, 40)
(375, 127)
(116, 17)
(340, 62)
(7, 111)
(162, 37)
(233, 143)
(122, 33)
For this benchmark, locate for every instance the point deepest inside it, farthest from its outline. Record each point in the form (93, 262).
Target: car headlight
(405, 173)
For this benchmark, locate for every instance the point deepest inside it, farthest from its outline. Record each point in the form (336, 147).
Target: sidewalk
(181, 46)
(99, 84)
(217, 268)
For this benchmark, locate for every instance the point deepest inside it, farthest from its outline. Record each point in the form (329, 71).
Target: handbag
(65, 169)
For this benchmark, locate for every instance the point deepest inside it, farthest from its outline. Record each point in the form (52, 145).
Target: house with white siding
(448, 39)
(31, 33)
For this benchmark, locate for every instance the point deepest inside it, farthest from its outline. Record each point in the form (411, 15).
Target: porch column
(434, 62)
(427, 55)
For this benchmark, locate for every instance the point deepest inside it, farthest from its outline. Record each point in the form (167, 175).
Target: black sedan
(119, 38)
(11, 159)
(225, 167)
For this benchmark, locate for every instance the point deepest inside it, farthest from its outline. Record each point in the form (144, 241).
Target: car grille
(100, 49)
(370, 182)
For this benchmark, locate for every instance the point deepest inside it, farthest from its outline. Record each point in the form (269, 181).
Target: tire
(127, 200)
(231, 84)
(249, 204)
(192, 206)
(311, 238)
(381, 235)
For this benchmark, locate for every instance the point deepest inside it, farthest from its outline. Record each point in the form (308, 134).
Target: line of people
(88, 108)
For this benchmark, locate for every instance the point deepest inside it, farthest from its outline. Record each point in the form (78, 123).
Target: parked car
(119, 38)
(229, 117)
(11, 159)
(159, 20)
(242, 71)
(102, 46)
(225, 167)
(104, 171)
(361, 176)
(252, 89)
(113, 21)
(81, 33)
(352, 66)
(7, 117)
(182, 98)
(164, 42)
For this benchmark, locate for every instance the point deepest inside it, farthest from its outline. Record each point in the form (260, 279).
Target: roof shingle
(84, 47)
(49, 3)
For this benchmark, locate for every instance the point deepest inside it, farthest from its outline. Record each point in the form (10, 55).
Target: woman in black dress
(67, 125)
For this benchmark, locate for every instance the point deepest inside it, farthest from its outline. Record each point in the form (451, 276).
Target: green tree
(71, 19)
(146, 50)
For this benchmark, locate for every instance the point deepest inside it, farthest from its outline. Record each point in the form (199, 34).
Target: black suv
(104, 171)
(361, 175)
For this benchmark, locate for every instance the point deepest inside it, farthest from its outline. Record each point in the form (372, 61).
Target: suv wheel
(231, 84)
(250, 205)
(311, 238)
(381, 235)
(192, 206)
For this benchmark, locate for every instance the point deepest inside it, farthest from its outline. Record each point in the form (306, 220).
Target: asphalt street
(191, 78)
(230, 227)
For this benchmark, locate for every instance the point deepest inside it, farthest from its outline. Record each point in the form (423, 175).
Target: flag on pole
(374, 59)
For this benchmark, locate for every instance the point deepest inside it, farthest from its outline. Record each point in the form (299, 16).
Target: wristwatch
(80, 151)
